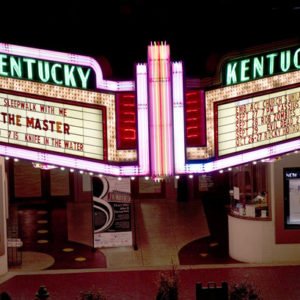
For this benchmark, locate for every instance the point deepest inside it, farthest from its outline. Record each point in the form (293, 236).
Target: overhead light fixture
(38, 165)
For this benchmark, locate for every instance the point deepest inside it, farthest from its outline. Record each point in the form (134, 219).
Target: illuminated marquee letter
(69, 76)
(54, 73)
(271, 58)
(258, 67)
(3, 64)
(285, 60)
(44, 71)
(244, 69)
(15, 67)
(296, 58)
(231, 77)
(83, 77)
(29, 62)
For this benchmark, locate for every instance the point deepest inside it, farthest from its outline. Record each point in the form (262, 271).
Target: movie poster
(112, 207)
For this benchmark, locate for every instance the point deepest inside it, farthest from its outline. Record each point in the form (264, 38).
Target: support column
(3, 217)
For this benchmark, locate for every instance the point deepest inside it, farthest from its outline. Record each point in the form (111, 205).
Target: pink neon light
(70, 59)
(153, 94)
(166, 87)
(160, 110)
(69, 162)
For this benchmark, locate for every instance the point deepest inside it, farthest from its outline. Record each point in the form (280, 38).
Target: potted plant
(92, 294)
(168, 285)
(244, 291)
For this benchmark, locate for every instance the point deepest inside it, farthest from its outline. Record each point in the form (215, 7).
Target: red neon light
(195, 129)
(126, 121)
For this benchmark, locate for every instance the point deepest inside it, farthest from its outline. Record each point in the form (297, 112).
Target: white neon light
(178, 117)
(142, 107)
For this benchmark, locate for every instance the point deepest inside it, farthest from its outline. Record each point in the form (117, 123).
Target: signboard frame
(40, 98)
(267, 117)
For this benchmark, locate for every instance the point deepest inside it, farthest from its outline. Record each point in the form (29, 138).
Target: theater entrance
(50, 211)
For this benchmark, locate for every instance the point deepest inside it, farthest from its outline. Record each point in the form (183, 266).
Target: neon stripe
(143, 136)
(161, 109)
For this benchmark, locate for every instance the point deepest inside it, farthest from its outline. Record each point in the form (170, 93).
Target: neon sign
(263, 65)
(43, 71)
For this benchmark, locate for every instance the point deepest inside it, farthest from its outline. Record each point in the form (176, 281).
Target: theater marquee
(51, 126)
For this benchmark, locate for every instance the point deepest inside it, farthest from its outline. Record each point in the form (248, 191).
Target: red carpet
(274, 283)
(204, 251)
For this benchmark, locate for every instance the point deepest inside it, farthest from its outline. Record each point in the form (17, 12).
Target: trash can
(212, 291)
(14, 251)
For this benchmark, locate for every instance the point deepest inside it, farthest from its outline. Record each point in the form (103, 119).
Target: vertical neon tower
(160, 100)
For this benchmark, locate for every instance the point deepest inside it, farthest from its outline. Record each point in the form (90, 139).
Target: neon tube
(160, 99)
(205, 167)
(178, 117)
(143, 133)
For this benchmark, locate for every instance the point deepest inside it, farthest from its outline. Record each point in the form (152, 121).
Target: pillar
(3, 217)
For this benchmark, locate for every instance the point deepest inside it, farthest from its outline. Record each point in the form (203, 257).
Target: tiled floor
(164, 228)
(167, 232)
